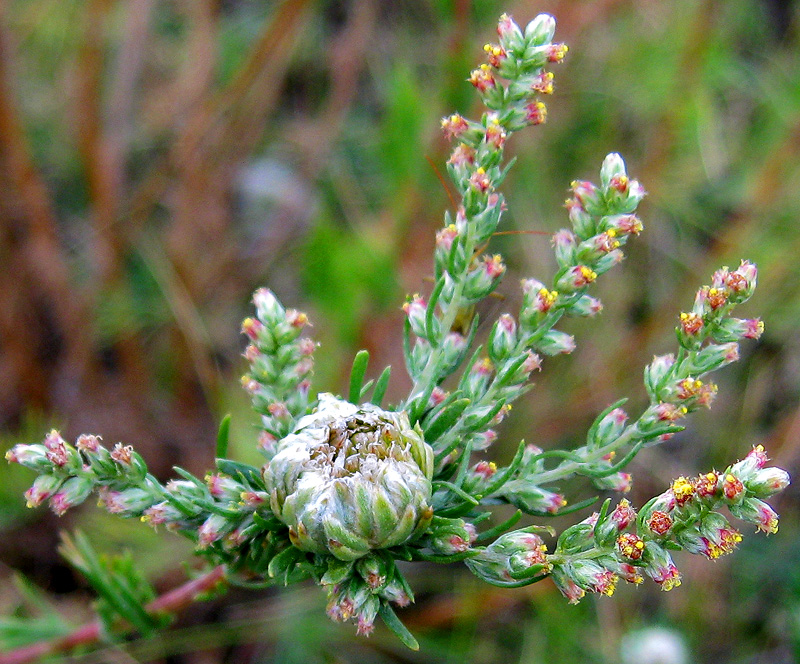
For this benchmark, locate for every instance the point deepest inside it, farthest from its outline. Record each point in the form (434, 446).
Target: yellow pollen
(611, 232)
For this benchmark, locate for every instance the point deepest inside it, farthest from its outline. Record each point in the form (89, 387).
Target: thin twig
(171, 602)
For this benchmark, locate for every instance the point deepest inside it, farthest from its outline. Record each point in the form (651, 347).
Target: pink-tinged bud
(253, 499)
(683, 490)
(88, 443)
(716, 298)
(279, 410)
(252, 328)
(754, 328)
(540, 30)
(416, 309)
(742, 282)
(267, 442)
(619, 183)
(30, 456)
(72, 493)
(668, 412)
(536, 113)
(732, 487)
(485, 469)
(757, 457)
(630, 546)
(297, 319)
(756, 511)
(564, 246)
(483, 440)
(571, 590)
(555, 342)
(462, 155)
(251, 353)
(480, 181)
(496, 55)
(575, 278)
(493, 265)
(445, 237)
(306, 346)
(501, 414)
(509, 33)
(587, 306)
(495, 134)
(454, 126)
(268, 308)
(629, 573)
(691, 324)
(659, 522)
(592, 576)
(706, 485)
(162, 513)
(57, 452)
(303, 367)
(585, 193)
(250, 385)
(609, 427)
(482, 368)
(213, 529)
(503, 337)
(623, 515)
(543, 83)
(620, 482)
(557, 52)
(122, 454)
(438, 395)
(537, 297)
(660, 568)
(532, 362)
(453, 346)
(720, 277)
(223, 487)
(656, 373)
(482, 78)
(43, 487)
(626, 224)
(127, 502)
(766, 482)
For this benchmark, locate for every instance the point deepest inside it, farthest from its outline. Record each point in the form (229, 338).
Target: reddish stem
(171, 602)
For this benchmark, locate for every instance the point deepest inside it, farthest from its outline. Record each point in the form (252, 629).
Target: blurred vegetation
(159, 159)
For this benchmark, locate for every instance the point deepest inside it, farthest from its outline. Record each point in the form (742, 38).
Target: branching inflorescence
(350, 487)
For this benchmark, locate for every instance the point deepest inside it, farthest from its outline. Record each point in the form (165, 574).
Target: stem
(569, 467)
(171, 602)
(428, 373)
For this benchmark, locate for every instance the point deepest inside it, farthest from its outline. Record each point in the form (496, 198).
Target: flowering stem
(171, 602)
(428, 379)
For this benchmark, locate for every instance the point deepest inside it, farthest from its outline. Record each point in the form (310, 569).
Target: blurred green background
(160, 159)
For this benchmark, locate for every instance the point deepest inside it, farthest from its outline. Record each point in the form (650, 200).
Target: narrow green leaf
(357, 375)
(391, 620)
(500, 528)
(222, 437)
(380, 386)
(444, 420)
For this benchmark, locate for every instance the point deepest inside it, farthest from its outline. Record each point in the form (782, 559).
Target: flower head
(351, 479)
